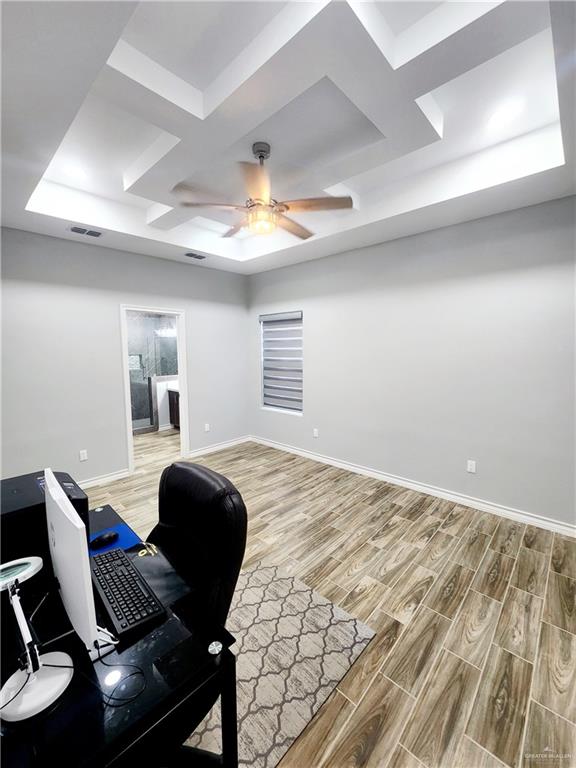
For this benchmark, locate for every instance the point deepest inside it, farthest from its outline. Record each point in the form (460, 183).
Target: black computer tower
(23, 515)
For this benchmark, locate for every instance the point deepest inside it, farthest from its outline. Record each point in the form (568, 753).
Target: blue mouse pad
(126, 538)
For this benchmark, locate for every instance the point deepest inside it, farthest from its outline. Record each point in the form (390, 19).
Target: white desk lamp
(45, 676)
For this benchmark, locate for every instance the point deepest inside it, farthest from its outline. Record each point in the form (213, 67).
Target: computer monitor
(69, 552)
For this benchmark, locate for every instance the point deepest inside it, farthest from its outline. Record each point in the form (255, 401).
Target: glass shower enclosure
(152, 353)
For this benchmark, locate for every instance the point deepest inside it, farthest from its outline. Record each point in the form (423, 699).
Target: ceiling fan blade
(317, 204)
(257, 181)
(236, 228)
(293, 227)
(231, 206)
(188, 194)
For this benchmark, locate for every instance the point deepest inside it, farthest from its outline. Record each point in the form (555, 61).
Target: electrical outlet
(315, 433)
(471, 466)
(206, 427)
(83, 455)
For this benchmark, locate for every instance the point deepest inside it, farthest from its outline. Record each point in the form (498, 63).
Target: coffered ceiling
(426, 113)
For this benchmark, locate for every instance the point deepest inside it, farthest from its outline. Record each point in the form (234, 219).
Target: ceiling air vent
(84, 231)
(199, 256)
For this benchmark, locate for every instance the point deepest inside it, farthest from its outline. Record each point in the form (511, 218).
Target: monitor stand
(105, 646)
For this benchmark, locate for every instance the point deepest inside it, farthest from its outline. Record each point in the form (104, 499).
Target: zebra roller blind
(282, 369)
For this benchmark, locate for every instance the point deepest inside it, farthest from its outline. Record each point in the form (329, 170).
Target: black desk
(178, 680)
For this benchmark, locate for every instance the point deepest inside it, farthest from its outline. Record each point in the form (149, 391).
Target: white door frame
(182, 374)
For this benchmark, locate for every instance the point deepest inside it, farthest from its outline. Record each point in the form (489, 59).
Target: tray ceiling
(426, 113)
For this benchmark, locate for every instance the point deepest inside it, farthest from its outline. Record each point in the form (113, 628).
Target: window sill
(281, 410)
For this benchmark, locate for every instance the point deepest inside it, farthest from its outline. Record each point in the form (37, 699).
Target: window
(282, 371)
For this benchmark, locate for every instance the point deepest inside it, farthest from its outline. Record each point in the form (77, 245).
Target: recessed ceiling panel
(197, 40)
(318, 127)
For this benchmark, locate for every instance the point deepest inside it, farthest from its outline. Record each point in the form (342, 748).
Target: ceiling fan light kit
(262, 219)
(263, 214)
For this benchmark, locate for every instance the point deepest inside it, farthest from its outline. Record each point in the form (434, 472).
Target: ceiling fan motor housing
(261, 150)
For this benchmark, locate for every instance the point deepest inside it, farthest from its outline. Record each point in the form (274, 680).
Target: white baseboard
(103, 479)
(165, 427)
(217, 447)
(518, 515)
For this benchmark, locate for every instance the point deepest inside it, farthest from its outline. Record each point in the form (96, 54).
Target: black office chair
(202, 532)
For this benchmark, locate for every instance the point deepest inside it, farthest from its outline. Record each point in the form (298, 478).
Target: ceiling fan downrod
(261, 151)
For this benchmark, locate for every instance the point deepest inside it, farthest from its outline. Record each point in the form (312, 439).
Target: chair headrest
(191, 486)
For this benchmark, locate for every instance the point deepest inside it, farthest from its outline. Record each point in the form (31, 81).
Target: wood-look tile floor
(474, 660)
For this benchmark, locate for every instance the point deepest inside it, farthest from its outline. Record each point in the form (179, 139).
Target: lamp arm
(33, 662)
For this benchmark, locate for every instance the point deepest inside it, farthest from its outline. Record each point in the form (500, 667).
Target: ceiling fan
(262, 213)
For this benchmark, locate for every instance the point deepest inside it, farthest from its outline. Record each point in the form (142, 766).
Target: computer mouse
(104, 540)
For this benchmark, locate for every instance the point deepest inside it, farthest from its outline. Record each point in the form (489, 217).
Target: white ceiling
(102, 141)
(401, 15)
(427, 113)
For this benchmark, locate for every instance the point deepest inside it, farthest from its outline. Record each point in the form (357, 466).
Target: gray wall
(419, 354)
(427, 351)
(63, 387)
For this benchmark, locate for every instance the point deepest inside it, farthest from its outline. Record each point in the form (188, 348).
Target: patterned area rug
(293, 647)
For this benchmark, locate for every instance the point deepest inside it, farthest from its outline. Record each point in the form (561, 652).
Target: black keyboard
(127, 598)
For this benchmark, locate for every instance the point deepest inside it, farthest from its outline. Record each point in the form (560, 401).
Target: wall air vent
(198, 256)
(84, 231)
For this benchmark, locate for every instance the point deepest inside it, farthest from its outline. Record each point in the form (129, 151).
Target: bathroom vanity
(174, 406)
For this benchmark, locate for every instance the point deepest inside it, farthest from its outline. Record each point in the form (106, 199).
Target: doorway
(154, 374)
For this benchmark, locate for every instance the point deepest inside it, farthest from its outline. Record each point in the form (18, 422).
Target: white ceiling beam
(148, 73)
(151, 155)
(436, 26)
(275, 35)
(563, 22)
